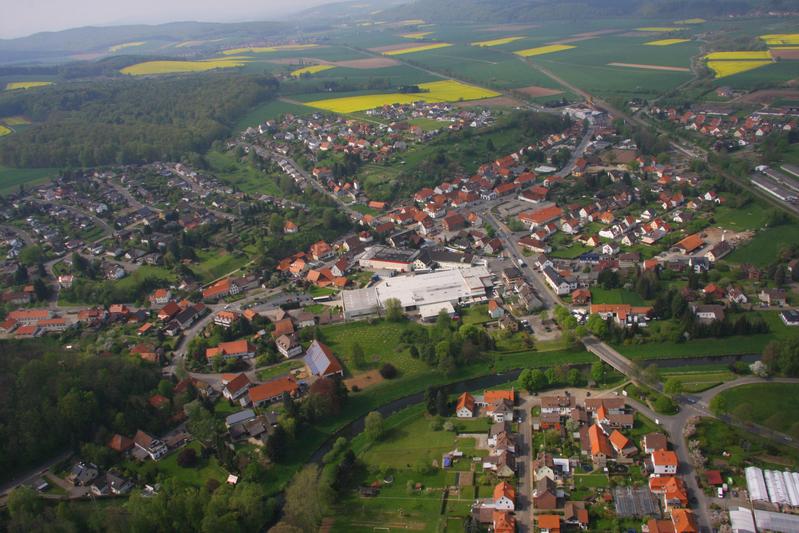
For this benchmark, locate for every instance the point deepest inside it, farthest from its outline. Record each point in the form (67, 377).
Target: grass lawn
(248, 179)
(315, 291)
(12, 178)
(731, 449)
(615, 296)
(279, 369)
(476, 314)
(217, 263)
(168, 468)
(737, 345)
(270, 110)
(750, 217)
(762, 250)
(774, 405)
(590, 481)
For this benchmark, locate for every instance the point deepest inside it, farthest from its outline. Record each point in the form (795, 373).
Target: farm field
(542, 50)
(781, 39)
(149, 68)
(215, 265)
(268, 49)
(118, 47)
(764, 246)
(5, 131)
(415, 49)
(776, 405)
(496, 42)
(12, 178)
(313, 69)
(271, 110)
(16, 85)
(739, 56)
(698, 348)
(439, 91)
(750, 217)
(666, 42)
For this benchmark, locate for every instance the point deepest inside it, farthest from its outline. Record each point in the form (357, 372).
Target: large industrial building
(444, 288)
(380, 257)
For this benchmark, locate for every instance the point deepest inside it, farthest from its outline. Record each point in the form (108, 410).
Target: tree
(388, 371)
(718, 405)
(373, 426)
(665, 405)
(357, 356)
(276, 444)
(535, 380)
(574, 378)
(598, 370)
(597, 325)
(187, 458)
(202, 424)
(673, 386)
(651, 374)
(442, 402)
(306, 500)
(23, 501)
(394, 310)
(41, 289)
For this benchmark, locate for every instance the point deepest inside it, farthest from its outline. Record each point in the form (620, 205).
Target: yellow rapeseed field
(739, 56)
(657, 28)
(118, 47)
(15, 121)
(437, 91)
(781, 39)
(496, 42)
(173, 67)
(417, 35)
(313, 69)
(666, 42)
(690, 21)
(723, 69)
(4, 131)
(414, 49)
(14, 85)
(265, 49)
(541, 50)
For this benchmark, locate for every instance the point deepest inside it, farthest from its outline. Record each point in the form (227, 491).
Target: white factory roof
(422, 289)
(756, 484)
(775, 484)
(742, 521)
(779, 522)
(431, 310)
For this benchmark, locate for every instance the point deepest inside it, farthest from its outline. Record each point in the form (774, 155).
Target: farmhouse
(465, 407)
(272, 390)
(231, 350)
(690, 243)
(236, 387)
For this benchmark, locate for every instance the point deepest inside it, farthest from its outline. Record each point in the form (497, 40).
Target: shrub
(187, 458)
(388, 371)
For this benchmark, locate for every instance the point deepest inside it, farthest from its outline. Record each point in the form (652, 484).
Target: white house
(664, 463)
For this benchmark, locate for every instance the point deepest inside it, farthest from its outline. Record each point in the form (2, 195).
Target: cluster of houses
(723, 123)
(600, 425)
(29, 323)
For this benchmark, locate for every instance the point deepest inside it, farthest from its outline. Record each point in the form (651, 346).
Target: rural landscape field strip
(171, 67)
(667, 42)
(739, 56)
(118, 47)
(415, 49)
(437, 91)
(268, 49)
(313, 69)
(496, 42)
(650, 67)
(722, 69)
(417, 35)
(781, 39)
(15, 85)
(541, 50)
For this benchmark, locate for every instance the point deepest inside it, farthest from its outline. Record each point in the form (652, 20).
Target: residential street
(524, 468)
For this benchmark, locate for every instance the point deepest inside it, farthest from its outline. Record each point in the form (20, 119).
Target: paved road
(611, 357)
(33, 473)
(524, 469)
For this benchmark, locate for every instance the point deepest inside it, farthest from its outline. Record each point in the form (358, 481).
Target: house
(540, 217)
(153, 447)
(495, 311)
(321, 250)
(29, 317)
(82, 474)
(736, 295)
(288, 345)
(503, 522)
(562, 405)
(290, 227)
(575, 513)
(499, 404)
(664, 462)
(454, 222)
(713, 291)
(790, 317)
(111, 484)
(271, 391)
(225, 319)
(465, 407)
(545, 495)
(621, 444)
(160, 297)
(690, 243)
(236, 387)
(581, 297)
(504, 496)
(283, 326)
(708, 313)
(600, 448)
(672, 489)
(120, 443)
(653, 442)
(773, 297)
(684, 521)
(659, 526)
(719, 251)
(560, 286)
(145, 351)
(320, 361)
(231, 350)
(166, 313)
(548, 523)
(220, 289)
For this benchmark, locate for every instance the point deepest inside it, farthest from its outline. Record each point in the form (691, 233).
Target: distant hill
(52, 46)
(350, 11)
(535, 10)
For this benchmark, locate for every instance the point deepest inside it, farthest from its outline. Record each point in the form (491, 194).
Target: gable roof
(465, 400)
(271, 389)
(618, 440)
(492, 396)
(664, 458)
(504, 489)
(321, 361)
(238, 383)
(120, 443)
(599, 442)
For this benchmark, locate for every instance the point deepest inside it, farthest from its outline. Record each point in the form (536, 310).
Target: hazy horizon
(35, 16)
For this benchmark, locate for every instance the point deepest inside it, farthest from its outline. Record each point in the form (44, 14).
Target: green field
(750, 217)
(228, 168)
(615, 296)
(697, 348)
(168, 468)
(12, 178)
(279, 369)
(270, 110)
(762, 250)
(774, 405)
(217, 263)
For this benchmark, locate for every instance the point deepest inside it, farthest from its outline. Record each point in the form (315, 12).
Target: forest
(127, 121)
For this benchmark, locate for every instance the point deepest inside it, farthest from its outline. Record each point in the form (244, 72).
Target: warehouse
(385, 258)
(461, 286)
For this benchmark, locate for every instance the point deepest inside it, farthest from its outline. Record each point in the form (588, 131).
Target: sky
(21, 18)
